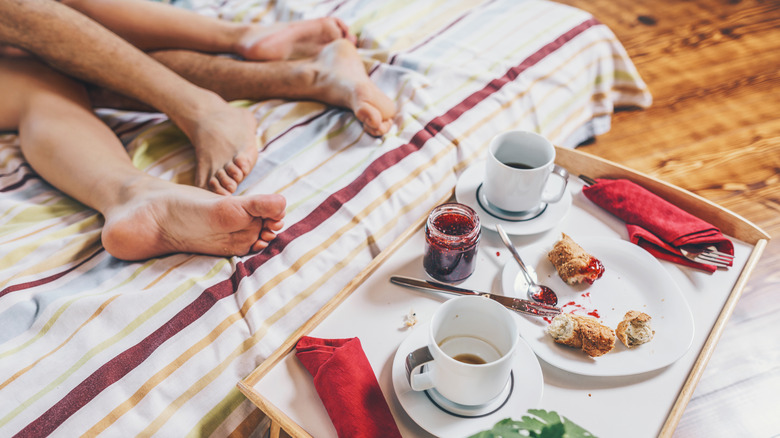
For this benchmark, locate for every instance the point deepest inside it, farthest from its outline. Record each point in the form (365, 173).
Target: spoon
(536, 292)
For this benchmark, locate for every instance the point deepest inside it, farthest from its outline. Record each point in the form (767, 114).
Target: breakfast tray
(284, 392)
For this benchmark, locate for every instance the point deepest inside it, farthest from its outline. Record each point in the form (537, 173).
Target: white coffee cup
(464, 328)
(517, 171)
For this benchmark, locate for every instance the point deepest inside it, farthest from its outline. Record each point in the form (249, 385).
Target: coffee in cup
(470, 351)
(517, 171)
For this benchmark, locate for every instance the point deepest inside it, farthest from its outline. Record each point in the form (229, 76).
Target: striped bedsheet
(93, 345)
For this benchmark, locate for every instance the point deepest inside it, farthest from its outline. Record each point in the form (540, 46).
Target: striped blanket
(90, 344)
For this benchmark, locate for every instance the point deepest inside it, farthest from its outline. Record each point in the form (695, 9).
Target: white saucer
(526, 393)
(466, 193)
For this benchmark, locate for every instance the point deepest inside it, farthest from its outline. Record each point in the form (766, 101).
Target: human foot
(162, 218)
(225, 142)
(282, 41)
(341, 80)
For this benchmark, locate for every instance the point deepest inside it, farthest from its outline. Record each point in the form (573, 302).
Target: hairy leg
(154, 26)
(336, 76)
(144, 216)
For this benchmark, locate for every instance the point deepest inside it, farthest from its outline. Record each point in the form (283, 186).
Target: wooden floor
(713, 67)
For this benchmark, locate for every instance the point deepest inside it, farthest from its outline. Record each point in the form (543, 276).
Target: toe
(270, 206)
(226, 181)
(267, 235)
(243, 163)
(273, 225)
(371, 119)
(234, 172)
(215, 186)
(259, 246)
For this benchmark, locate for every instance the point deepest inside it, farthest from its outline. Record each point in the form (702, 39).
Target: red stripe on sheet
(48, 279)
(126, 361)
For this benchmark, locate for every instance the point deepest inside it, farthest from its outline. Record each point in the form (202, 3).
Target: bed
(91, 344)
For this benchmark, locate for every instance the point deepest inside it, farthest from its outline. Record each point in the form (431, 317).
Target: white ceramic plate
(527, 392)
(466, 193)
(633, 280)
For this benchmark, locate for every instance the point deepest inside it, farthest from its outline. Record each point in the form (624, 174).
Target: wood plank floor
(713, 67)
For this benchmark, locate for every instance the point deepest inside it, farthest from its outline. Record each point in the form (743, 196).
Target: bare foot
(225, 143)
(341, 80)
(159, 217)
(300, 39)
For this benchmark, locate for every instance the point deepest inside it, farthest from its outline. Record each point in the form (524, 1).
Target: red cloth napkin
(655, 224)
(347, 387)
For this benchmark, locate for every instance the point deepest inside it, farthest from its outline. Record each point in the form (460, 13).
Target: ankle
(190, 115)
(131, 189)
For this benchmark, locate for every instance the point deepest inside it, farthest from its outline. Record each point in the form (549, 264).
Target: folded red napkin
(347, 387)
(655, 224)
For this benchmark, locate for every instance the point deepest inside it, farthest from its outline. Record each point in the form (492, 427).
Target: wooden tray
(577, 163)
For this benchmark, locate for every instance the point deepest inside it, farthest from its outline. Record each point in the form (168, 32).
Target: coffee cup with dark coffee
(518, 170)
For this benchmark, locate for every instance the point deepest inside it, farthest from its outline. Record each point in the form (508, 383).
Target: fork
(710, 256)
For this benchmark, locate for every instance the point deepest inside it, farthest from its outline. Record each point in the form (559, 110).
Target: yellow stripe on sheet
(33, 214)
(84, 239)
(156, 143)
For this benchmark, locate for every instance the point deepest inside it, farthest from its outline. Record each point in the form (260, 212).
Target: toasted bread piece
(635, 329)
(584, 332)
(573, 263)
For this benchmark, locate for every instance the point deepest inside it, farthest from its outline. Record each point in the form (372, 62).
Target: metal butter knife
(518, 305)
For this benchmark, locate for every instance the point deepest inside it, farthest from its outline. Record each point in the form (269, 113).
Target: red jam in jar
(451, 238)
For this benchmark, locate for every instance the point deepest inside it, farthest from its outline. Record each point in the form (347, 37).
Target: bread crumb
(410, 319)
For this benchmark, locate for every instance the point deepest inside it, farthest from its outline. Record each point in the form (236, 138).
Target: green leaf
(538, 424)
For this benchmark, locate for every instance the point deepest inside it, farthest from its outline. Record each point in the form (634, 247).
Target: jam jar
(451, 238)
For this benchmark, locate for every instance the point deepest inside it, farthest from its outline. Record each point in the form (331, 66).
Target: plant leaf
(538, 424)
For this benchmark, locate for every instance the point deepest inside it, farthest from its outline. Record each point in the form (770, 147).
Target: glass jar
(452, 234)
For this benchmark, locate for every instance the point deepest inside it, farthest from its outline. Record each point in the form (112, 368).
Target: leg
(154, 26)
(336, 76)
(144, 216)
